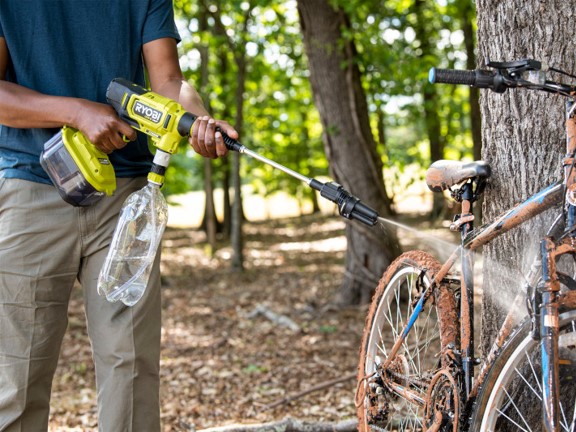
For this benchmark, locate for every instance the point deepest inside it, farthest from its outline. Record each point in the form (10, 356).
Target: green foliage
(280, 120)
(395, 67)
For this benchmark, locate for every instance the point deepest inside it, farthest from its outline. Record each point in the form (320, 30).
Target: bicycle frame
(545, 268)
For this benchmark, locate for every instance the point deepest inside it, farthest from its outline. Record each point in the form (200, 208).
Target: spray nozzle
(348, 205)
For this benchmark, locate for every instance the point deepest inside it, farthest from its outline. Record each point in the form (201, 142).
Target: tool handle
(185, 128)
(230, 143)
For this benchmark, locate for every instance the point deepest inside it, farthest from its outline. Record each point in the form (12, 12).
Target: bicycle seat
(443, 174)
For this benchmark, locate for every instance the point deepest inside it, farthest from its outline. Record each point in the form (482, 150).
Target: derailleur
(442, 403)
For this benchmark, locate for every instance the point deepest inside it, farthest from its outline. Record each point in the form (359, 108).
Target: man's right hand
(102, 126)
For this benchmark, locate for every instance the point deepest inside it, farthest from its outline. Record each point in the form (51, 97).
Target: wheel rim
(520, 376)
(417, 356)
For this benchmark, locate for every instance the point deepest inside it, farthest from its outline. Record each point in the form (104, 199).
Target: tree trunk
(348, 141)
(430, 97)
(467, 16)
(237, 212)
(209, 223)
(226, 200)
(522, 133)
(239, 52)
(225, 168)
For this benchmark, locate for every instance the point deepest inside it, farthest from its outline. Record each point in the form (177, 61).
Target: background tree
(348, 141)
(427, 35)
(522, 133)
(416, 123)
(465, 13)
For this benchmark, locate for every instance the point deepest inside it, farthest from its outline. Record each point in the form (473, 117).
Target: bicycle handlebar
(502, 76)
(475, 78)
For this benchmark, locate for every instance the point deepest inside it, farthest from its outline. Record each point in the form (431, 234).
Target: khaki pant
(45, 245)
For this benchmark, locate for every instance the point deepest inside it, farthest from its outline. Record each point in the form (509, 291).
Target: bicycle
(417, 368)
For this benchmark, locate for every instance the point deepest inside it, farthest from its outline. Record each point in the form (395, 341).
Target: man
(57, 58)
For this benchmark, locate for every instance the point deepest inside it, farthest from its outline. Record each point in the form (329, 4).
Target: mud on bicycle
(417, 368)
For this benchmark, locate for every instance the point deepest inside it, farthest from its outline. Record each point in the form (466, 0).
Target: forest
(263, 315)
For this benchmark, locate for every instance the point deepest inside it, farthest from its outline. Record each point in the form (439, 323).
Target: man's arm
(21, 107)
(161, 59)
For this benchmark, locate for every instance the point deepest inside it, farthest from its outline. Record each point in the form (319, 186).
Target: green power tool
(83, 174)
(167, 123)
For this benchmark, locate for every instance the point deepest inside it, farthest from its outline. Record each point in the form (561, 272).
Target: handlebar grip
(452, 76)
(478, 78)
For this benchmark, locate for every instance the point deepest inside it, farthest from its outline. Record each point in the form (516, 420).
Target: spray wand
(349, 206)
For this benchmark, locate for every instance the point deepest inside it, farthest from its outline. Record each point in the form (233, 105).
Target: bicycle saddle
(443, 174)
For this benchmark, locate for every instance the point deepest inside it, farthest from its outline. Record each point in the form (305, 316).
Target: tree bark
(209, 223)
(237, 235)
(237, 214)
(348, 141)
(523, 136)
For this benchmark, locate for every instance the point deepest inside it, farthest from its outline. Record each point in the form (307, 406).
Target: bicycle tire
(418, 359)
(506, 399)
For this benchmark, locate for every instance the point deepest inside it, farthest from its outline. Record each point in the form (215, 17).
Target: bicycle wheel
(380, 406)
(511, 397)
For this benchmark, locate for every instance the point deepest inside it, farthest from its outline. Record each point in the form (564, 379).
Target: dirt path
(223, 359)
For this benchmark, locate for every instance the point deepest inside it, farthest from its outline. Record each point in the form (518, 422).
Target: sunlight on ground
(187, 210)
(335, 244)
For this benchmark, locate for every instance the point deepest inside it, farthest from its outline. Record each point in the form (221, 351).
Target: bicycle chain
(414, 382)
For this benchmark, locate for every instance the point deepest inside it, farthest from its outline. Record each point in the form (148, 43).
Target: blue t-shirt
(75, 48)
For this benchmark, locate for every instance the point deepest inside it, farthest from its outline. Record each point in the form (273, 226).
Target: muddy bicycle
(417, 368)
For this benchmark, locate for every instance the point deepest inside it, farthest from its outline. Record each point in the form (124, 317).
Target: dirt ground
(224, 360)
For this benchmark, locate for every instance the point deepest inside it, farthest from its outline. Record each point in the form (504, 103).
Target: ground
(224, 360)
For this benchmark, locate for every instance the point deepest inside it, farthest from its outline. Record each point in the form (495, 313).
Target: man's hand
(206, 140)
(102, 126)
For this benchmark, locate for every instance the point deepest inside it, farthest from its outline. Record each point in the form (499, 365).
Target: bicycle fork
(550, 287)
(549, 332)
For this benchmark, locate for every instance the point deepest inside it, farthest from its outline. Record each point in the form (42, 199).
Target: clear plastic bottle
(126, 270)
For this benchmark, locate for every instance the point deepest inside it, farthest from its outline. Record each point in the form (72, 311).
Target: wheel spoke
(513, 392)
(564, 421)
(381, 347)
(523, 378)
(517, 409)
(572, 427)
(511, 421)
(534, 374)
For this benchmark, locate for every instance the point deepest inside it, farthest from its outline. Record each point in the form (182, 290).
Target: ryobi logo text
(147, 112)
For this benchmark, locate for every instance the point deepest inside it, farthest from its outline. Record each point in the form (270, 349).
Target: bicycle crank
(442, 403)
